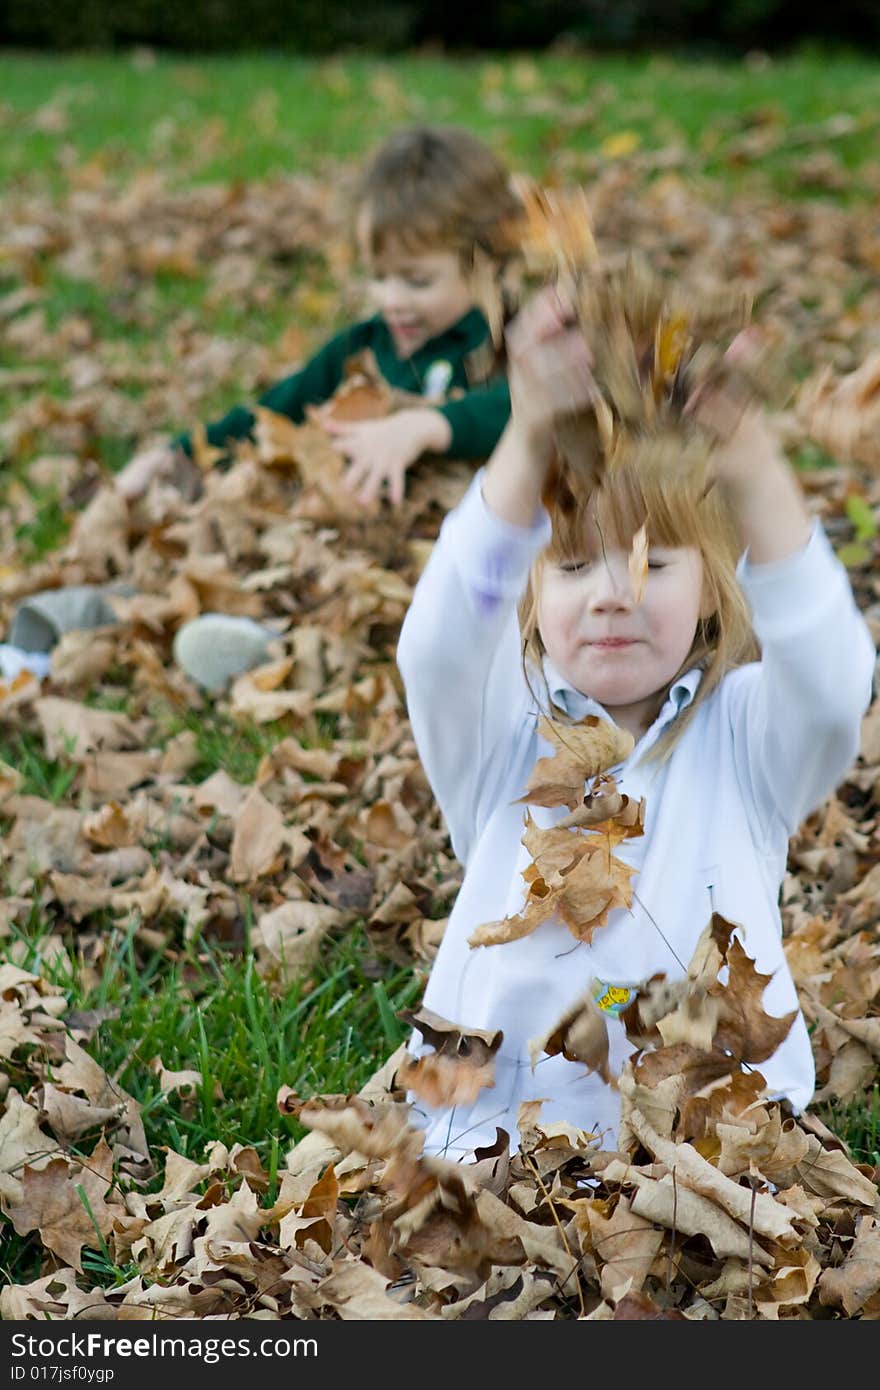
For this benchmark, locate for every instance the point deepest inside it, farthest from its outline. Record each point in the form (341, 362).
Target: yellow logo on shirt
(612, 999)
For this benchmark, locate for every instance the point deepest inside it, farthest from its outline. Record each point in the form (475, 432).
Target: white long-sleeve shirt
(768, 745)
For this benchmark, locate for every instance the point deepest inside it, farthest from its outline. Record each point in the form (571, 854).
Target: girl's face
(622, 653)
(419, 294)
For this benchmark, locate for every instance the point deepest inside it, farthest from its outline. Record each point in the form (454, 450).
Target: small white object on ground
(214, 647)
(14, 660)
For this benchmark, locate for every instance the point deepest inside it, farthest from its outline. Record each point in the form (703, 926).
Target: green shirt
(476, 418)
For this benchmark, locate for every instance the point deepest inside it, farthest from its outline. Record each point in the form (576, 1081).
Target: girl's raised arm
(798, 724)
(459, 651)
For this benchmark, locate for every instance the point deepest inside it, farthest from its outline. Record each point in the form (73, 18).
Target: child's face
(619, 652)
(418, 294)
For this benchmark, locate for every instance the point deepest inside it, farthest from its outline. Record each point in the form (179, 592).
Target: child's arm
(313, 384)
(459, 651)
(477, 419)
(798, 724)
(762, 491)
(381, 451)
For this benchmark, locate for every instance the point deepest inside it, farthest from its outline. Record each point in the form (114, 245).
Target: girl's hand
(157, 461)
(748, 463)
(549, 370)
(550, 377)
(380, 451)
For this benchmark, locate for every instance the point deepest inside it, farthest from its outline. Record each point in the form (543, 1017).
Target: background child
(427, 199)
(731, 753)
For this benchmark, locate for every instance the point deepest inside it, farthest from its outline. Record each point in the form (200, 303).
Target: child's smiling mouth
(405, 328)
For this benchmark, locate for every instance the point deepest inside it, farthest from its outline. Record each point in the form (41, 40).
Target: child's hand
(155, 462)
(550, 376)
(762, 490)
(380, 451)
(549, 369)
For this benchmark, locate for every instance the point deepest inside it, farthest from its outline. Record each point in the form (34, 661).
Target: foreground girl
(731, 751)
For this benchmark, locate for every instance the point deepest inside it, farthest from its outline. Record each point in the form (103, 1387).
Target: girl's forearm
(514, 479)
(764, 495)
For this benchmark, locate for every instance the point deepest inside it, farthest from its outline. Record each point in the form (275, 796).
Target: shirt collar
(577, 705)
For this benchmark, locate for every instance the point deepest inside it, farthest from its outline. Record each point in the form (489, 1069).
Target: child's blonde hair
(436, 186)
(680, 511)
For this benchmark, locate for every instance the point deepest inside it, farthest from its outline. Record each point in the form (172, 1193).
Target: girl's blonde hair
(678, 510)
(436, 187)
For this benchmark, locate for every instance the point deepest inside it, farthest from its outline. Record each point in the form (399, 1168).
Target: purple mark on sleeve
(486, 603)
(490, 591)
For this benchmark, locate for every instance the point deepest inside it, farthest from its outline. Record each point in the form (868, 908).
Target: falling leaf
(581, 1035)
(638, 563)
(461, 1065)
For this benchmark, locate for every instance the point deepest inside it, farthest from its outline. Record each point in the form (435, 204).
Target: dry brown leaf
(461, 1065)
(258, 839)
(288, 939)
(581, 1035)
(51, 1203)
(581, 752)
(75, 731)
(843, 415)
(625, 1245)
(22, 1142)
(856, 1282)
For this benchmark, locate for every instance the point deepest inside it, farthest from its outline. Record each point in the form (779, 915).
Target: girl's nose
(611, 586)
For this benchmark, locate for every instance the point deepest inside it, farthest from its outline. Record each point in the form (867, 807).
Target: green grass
(207, 1010)
(220, 118)
(859, 1121)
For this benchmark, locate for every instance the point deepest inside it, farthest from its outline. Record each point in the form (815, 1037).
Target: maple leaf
(290, 936)
(258, 839)
(554, 235)
(22, 1142)
(581, 752)
(625, 1246)
(573, 874)
(703, 1013)
(362, 394)
(744, 1028)
(855, 1285)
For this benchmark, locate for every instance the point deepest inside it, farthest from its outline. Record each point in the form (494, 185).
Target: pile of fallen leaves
(716, 1203)
(273, 537)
